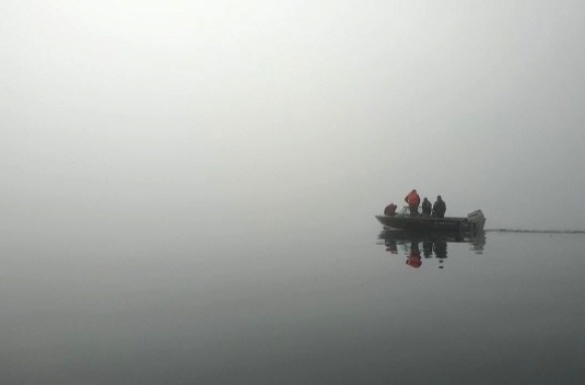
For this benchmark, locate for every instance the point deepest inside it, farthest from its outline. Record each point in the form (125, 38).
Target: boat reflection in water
(425, 246)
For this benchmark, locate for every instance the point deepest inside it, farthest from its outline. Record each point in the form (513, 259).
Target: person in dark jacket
(427, 207)
(439, 208)
(390, 210)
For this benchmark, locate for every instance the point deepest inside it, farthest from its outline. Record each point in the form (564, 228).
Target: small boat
(471, 224)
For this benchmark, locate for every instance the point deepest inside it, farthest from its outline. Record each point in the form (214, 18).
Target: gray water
(233, 305)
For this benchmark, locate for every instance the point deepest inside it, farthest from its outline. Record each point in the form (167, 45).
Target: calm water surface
(295, 307)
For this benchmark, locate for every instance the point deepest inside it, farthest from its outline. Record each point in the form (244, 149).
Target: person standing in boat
(439, 208)
(427, 207)
(413, 201)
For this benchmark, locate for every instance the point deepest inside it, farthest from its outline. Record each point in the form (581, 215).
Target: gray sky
(193, 112)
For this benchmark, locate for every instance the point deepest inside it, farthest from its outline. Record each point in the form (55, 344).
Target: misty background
(123, 120)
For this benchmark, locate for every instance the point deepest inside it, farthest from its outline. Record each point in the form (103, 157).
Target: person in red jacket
(413, 201)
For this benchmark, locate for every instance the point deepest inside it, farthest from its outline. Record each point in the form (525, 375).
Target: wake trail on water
(535, 231)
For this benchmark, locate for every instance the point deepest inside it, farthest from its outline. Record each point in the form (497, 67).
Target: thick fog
(138, 117)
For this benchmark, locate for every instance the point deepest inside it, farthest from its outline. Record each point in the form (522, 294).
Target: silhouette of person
(427, 207)
(439, 208)
(390, 210)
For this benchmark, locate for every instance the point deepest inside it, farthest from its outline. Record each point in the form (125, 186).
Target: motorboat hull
(473, 223)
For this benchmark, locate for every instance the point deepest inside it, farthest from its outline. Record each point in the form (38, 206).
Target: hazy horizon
(189, 115)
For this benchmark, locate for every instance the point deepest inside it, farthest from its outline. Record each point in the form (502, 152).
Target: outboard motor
(476, 221)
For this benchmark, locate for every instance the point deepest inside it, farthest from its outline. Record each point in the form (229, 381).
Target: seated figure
(390, 210)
